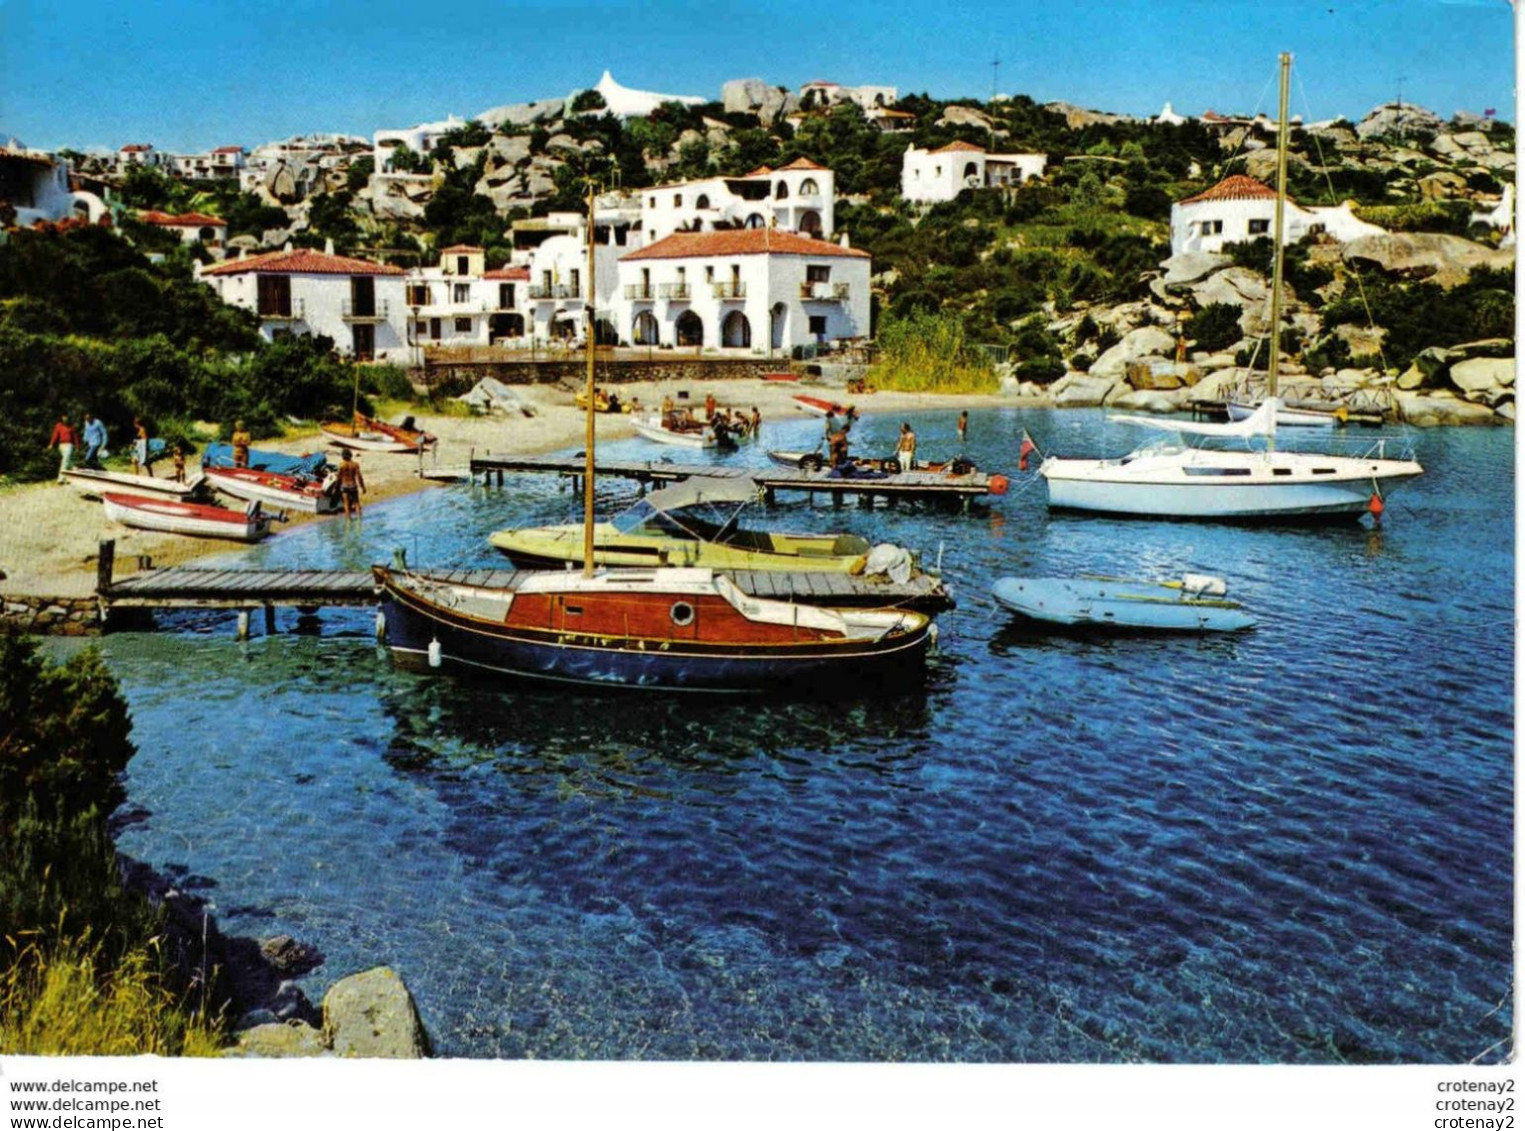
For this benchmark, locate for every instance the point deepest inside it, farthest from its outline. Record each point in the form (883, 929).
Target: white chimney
(843, 240)
(328, 246)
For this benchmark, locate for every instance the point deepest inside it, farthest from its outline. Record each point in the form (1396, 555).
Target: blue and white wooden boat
(1196, 603)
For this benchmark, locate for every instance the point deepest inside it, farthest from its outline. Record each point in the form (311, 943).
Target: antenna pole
(1276, 250)
(587, 478)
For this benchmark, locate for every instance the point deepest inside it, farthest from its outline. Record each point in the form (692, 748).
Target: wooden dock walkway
(192, 587)
(770, 480)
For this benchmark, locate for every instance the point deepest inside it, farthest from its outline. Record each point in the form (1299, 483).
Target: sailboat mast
(587, 478)
(1276, 238)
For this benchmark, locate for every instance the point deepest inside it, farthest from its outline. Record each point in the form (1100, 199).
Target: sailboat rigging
(1169, 479)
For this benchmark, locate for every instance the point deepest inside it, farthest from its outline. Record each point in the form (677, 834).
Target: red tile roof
(509, 274)
(303, 261)
(136, 148)
(184, 220)
(742, 241)
(801, 163)
(760, 171)
(961, 147)
(459, 247)
(1237, 187)
(229, 149)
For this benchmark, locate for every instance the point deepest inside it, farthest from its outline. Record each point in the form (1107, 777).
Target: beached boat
(602, 401)
(821, 406)
(93, 483)
(313, 465)
(660, 628)
(695, 522)
(287, 492)
(1196, 603)
(197, 519)
(674, 428)
(1172, 479)
(367, 434)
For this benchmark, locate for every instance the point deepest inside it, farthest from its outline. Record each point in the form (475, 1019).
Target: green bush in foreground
(928, 353)
(81, 965)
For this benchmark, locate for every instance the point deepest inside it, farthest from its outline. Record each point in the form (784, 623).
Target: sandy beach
(50, 534)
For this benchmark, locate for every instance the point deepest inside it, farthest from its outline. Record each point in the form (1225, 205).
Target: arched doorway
(736, 331)
(782, 192)
(604, 333)
(646, 331)
(690, 329)
(971, 171)
(778, 319)
(810, 224)
(755, 220)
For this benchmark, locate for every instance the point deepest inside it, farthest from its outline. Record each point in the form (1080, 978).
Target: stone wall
(453, 378)
(49, 616)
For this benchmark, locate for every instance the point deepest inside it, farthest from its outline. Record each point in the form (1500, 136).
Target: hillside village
(1095, 258)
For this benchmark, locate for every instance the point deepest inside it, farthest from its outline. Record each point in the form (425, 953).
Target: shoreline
(52, 534)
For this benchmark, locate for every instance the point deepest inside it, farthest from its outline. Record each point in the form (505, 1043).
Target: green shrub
(1215, 326)
(929, 353)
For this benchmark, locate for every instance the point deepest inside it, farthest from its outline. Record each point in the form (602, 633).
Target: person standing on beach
(179, 464)
(241, 442)
(63, 439)
(963, 426)
(140, 449)
(756, 421)
(95, 440)
(351, 483)
(905, 449)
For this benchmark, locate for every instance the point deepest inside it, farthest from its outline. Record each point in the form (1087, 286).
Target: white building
(1240, 209)
(623, 102)
(191, 227)
(359, 304)
(461, 303)
(758, 289)
(941, 174)
(421, 139)
(36, 186)
(224, 162)
(798, 197)
(141, 154)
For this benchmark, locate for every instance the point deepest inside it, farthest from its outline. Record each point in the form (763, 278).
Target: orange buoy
(1375, 506)
(998, 484)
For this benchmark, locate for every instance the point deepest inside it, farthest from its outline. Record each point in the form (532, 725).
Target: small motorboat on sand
(289, 492)
(93, 484)
(1196, 603)
(370, 435)
(197, 519)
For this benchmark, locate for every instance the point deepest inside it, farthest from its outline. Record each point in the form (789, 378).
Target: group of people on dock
(839, 425)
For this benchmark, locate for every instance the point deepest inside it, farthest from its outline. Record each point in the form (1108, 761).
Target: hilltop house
(138, 154)
(1239, 209)
(798, 197)
(357, 303)
(751, 288)
(191, 227)
(421, 139)
(941, 174)
(36, 186)
(224, 162)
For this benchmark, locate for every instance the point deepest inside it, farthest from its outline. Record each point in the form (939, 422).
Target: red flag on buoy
(1028, 447)
(1375, 506)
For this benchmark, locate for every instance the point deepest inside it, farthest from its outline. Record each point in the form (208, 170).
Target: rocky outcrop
(1145, 342)
(966, 116)
(1399, 119)
(523, 113)
(1084, 390)
(372, 1014)
(49, 616)
(1443, 259)
(1431, 410)
(1181, 271)
(1484, 380)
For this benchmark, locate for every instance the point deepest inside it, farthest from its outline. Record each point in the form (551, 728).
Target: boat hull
(696, 439)
(1114, 604)
(174, 517)
(92, 484)
(468, 644)
(280, 491)
(1207, 484)
(343, 436)
(1288, 417)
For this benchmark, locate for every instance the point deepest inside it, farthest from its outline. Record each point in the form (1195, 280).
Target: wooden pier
(245, 590)
(921, 485)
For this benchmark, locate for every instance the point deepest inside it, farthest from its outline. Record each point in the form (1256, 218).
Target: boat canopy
(1261, 423)
(310, 465)
(698, 489)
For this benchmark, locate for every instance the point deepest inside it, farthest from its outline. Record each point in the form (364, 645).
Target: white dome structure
(623, 102)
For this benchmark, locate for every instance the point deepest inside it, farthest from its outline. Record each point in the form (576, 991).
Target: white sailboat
(1168, 478)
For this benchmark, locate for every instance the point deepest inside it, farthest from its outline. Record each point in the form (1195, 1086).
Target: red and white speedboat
(198, 519)
(289, 492)
(367, 434)
(821, 406)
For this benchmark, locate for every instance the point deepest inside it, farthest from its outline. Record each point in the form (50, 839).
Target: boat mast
(1276, 238)
(587, 478)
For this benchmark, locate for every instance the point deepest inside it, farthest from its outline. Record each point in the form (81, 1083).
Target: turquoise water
(1290, 845)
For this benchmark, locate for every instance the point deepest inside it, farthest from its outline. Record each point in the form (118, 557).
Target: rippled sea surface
(1289, 845)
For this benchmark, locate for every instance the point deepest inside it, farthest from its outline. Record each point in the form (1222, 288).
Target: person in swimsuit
(351, 483)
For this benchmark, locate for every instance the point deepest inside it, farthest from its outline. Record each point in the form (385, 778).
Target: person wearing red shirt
(64, 438)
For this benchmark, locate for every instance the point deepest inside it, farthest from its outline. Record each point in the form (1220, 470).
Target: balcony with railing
(728, 291)
(555, 291)
(640, 292)
(824, 292)
(352, 311)
(674, 292)
(293, 310)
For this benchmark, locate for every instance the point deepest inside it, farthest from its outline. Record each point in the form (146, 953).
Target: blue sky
(187, 75)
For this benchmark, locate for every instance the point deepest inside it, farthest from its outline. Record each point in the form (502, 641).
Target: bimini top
(699, 489)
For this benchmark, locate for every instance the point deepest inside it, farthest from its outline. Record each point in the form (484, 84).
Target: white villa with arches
(1240, 209)
(36, 186)
(936, 175)
(797, 197)
(760, 289)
